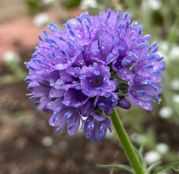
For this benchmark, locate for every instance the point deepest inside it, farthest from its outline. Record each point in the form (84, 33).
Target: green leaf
(176, 170)
(153, 166)
(34, 5)
(72, 4)
(116, 166)
(170, 166)
(140, 154)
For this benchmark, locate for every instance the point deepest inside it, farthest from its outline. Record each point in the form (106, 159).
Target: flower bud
(124, 103)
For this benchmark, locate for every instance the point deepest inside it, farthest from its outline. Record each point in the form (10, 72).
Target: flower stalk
(126, 144)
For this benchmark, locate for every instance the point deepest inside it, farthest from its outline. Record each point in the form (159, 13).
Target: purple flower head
(95, 63)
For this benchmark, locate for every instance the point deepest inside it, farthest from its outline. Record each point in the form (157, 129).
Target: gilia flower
(95, 63)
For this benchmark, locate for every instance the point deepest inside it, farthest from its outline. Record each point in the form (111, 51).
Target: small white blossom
(175, 84)
(176, 98)
(11, 56)
(138, 138)
(85, 4)
(47, 141)
(165, 112)
(152, 157)
(109, 135)
(162, 148)
(174, 53)
(41, 19)
(48, 2)
(152, 4)
(164, 46)
(163, 51)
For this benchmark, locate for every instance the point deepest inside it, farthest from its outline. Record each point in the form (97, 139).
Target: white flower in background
(164, 46)
(165, 112)
(174, 53)
(152, 4)
(169, 55)
(85, 4)
(110, 135)
(175, 84)
(41, 19)
(47, 141)
(11, 57)
(176, 98)
(162, 148)
(152, 157)
(48, 2)
(138, 138)
(163, 50)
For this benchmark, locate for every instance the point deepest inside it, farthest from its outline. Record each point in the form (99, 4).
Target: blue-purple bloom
(82, 72)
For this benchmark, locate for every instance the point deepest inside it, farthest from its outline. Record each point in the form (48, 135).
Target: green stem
(126, 144)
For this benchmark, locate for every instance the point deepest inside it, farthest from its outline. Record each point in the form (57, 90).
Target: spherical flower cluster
(95, 63)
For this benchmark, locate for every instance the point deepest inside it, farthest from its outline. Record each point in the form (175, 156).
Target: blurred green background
(28, 145)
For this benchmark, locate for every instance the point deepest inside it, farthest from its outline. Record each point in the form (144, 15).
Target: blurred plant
(13, 61)
(71, 3)
(34, 6)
